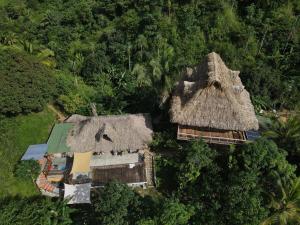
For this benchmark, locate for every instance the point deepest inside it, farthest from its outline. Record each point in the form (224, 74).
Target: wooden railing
(211, 139)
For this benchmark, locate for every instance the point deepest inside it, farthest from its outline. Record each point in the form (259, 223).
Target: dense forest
(125, 56)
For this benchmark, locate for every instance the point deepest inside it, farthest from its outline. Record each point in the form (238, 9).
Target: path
(60, 116)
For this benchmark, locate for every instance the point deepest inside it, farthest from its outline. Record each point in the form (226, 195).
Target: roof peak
(212, 95)
(213, 70)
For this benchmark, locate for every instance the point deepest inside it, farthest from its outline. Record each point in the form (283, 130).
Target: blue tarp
(252, 135)
(35, 152)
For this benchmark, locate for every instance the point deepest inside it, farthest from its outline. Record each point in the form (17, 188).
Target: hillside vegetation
(125, 56)
(16, 134)
(129, 53)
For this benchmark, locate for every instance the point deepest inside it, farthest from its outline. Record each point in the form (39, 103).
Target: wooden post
(94, 109)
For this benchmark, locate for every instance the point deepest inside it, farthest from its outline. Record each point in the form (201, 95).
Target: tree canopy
(25, 84)
(140, 48)
(125, 56)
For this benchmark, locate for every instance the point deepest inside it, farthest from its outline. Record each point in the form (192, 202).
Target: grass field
(15, 136)
(3, 2)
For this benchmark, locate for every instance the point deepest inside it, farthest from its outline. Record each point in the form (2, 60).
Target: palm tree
(46, 57)
(259, 103)
(8, 39)
(285, 205)
(27, 46)
(76, 63)
(286, 134)
(141, 75)
(142, 44)
(161, 66)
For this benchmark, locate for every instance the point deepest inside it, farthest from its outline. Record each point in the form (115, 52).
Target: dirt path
(60, 116)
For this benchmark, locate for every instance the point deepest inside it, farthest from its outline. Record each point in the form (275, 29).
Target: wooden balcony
(213, 136)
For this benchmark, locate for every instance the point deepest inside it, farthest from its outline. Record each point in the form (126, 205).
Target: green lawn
(3, 2)
(16, 134)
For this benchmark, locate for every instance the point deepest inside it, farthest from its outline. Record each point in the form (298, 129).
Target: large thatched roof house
(109, 133)
(211, 102)
(87, 152)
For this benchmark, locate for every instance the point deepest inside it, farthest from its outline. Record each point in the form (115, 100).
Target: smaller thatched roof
(211, 95)
(109, 133)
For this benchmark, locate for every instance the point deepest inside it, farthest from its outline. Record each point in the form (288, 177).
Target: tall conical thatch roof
(109, 133)
(211, 95)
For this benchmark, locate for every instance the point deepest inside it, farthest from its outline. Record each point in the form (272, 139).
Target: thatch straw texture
(211, 95)
(109, 133)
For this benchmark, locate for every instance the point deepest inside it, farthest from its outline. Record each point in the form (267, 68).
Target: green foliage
(154, 41)
(35, 210)
(244, 202)
(115, 204)
(284, 203)
(28, 169)
(175, 213)
(16, 134)
(164, 141)
(75, 95)
(264, 157)
(46, 57)
(146, 222)
(167, 211)
(287, 136)
(252, 175)
(198, 156)
(212, 180)
(26, 85)
(125, 57)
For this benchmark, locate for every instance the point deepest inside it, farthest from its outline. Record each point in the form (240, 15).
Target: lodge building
(210, 102)
(83, 153)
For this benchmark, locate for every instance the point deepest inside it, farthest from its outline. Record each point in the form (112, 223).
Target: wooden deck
(121, 173)
(149, 166)
(214, 136)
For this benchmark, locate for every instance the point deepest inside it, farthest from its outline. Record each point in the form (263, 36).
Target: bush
(27, 169)
(25, 84)
(75, 95)
(34, 210)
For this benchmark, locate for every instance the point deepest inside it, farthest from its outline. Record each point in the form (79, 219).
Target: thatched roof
(211, 95)
(109, 133)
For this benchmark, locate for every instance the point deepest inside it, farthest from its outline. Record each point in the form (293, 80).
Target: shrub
(25, 84)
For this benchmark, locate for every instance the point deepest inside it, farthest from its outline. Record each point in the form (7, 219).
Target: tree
(34, 210)
(146, 222)
(198, 156)
(139, 71)
(243, 201)
(46, 57)
(247, 170)
(286, 134)
(168, 211)
(264, 157)
(175, 213)
(27, 169)
(142, 45)
(115, 204)
(25, 84)
(74, 95)
(284, 203)
(252, 175)
(161, 65)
